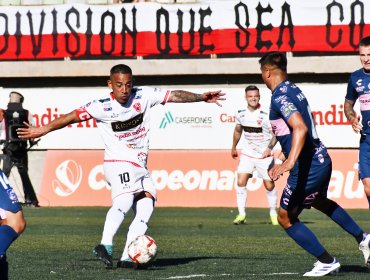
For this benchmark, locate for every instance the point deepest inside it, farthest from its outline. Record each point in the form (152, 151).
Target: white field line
(218, 275)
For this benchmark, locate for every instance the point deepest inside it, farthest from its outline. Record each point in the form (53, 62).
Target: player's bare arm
(298, 139)
(236, 137)
(352, 116)
(58, 123)
(270, 146)
(183, 96)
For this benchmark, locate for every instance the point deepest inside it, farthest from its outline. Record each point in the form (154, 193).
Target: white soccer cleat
(321, 269)
(365, 248)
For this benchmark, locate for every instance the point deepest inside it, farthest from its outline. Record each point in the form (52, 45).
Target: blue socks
(7, 236)
(305, 238)
(341, 217)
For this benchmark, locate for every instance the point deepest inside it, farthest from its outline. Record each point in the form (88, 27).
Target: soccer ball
(142, 249)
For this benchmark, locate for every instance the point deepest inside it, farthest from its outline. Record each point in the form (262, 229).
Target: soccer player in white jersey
(122, 117)
(256, 155)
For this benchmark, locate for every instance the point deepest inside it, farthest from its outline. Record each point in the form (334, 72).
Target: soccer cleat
(128, 263)
(104, 253)
(274, 219)
(365, 248)
(240, 219)
(322, 269)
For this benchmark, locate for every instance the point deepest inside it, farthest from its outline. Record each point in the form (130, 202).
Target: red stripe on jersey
(121, 160)
(166, 97)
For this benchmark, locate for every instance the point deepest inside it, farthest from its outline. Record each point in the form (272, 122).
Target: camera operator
(15, 149)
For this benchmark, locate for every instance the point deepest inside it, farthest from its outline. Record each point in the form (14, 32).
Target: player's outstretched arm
(58, 123)
(183, 96)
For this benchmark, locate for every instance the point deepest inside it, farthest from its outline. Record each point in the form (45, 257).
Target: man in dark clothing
(15, 149)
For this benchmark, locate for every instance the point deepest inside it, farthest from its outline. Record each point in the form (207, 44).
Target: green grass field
(194, 243)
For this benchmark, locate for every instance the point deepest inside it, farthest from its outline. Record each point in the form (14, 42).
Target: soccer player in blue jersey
(12, 222)
(309, 166)
(359, 88)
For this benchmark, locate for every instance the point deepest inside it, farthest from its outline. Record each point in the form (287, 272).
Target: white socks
(144, 209)
(272, 200)
(241, 199)
(116, 214)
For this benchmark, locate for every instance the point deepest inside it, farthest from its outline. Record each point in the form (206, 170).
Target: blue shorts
(305, 183)
(8, 198)
(364, 157)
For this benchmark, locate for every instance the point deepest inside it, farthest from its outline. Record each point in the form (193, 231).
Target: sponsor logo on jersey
(131, 123)
(360, 89)
(104, 100)
(251, 129)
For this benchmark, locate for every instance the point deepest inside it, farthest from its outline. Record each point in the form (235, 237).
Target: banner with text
(183, 126)
(183, 179)
(160, 30)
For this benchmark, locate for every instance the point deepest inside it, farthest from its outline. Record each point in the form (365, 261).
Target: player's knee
(269, 186)
(327, 206)
(17, 223)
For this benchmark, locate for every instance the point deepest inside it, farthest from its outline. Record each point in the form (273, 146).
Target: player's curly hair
(277, 59)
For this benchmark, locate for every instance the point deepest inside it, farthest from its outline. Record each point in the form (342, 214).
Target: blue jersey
(287, 99)
(359, 88)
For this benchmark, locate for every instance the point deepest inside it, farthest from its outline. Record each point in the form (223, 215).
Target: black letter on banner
(73, 32)
(328, 24)
(241, 27)
(18, 34)
(55, 31)
(180, 32)
(162, 12)
(286, 11)
(126, 30)
(203, 30)
(6, 33)
(112, 32)
(260, 27)
(353, 24)
(36, 47)
(88, 32)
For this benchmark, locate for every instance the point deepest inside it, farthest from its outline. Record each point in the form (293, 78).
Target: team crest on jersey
(137, 107)
(284, 89)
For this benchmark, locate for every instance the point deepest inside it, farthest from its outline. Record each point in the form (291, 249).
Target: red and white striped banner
(152, 29)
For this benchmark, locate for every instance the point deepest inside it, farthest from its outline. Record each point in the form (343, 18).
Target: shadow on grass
(355, 268)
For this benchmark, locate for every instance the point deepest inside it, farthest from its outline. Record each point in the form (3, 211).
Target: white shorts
(260, 165)
(127, 177)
